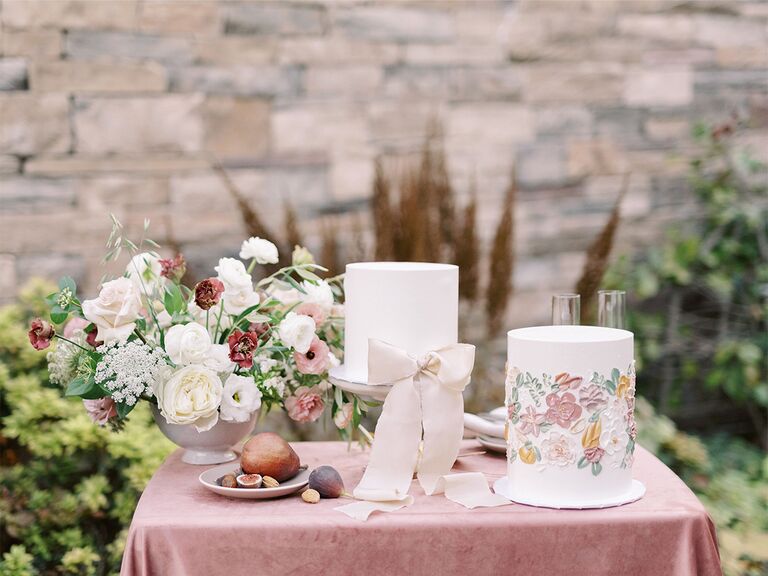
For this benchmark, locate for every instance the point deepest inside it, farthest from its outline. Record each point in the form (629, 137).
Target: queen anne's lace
(129, 370)
(64, 360)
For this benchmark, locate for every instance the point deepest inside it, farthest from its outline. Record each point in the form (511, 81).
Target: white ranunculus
(233, 274)
(320, 294)
(192, 395)
(262, 250)
(187, 344)
(236, 301)
(218, 359)
(287, 297)
(115, 310)
(297, 331)
(144, 271)
(241, 398)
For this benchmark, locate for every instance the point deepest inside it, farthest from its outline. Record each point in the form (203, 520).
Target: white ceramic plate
(493, 444)
(209, 480)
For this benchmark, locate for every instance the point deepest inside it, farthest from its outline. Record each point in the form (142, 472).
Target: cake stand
(636, 491)
(338, 377)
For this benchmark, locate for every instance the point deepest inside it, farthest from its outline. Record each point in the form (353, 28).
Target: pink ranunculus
(314, 311)
(40, 334)
(592, 397)
(305, 405)
(101, 410)
(562, 409)
(315, 360)
(74, 325)
(594, 454)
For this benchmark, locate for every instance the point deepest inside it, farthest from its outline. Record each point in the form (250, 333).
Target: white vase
(213, 446)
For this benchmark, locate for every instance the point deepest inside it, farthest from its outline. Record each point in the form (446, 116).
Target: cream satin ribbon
(426, 397)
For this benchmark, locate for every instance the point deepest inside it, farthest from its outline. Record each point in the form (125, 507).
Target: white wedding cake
(570, 417)
(410, 305)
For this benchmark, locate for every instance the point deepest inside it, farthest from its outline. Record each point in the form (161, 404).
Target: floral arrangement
(570, 420)
(222, 350)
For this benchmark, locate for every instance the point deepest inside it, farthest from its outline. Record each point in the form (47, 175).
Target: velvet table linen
(180, 528)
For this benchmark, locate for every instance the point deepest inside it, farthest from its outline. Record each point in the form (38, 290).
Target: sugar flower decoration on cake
(558, 449)
(562, 409)
(531, 422)
(221, 351)
(592, 397)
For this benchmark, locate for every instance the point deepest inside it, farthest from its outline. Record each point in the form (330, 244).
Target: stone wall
(122, 106)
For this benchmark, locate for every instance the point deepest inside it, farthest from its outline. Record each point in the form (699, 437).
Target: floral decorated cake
(570, 426)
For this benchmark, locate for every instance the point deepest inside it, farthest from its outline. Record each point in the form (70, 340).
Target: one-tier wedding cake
(411, 305)
(570, 428)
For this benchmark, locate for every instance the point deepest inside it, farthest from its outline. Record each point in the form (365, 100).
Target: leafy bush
(69, 488)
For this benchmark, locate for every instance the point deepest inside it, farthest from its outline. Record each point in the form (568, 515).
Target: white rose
(218, 359)
(320, 294)
(233, 274)
(144, 271)
(343, 416)
(241, 398)
(297, 331)
(236, 301)
(262, 250)
(187, 343)
(114, 311)
(191, 395)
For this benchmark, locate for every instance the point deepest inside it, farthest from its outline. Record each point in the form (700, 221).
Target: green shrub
(69, 488)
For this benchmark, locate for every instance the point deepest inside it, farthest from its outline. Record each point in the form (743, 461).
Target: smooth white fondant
(411, 305)
(505, 488)
(577, 350)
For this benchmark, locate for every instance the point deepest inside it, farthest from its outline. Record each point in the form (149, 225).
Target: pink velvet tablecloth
(180, 528)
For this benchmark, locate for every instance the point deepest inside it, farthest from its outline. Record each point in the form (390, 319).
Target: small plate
(493, 444)
(209, 478)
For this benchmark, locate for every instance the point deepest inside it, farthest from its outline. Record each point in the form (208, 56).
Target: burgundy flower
(562, 409)
(260, 328)
(40, 334)
(242, 345)
(315, 360)
(594, 454)
(208, 292)
(173, 268)
(91, 333)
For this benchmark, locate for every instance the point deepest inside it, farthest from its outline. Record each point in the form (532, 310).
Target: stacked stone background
(122, 106)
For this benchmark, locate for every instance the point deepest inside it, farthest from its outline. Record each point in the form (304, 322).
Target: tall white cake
(570, 426)
(411, 305)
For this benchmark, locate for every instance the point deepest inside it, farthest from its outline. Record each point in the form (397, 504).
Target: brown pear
(269, 455)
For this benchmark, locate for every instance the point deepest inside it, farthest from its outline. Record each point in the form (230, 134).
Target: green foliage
(700, 312)
(67, 487)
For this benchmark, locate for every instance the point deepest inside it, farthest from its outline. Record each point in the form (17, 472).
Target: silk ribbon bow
(426, 396)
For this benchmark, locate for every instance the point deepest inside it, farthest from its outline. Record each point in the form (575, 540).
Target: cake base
(337, 377)
(636, 491)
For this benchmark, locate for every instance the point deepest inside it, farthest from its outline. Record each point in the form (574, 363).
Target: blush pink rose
(314, 360)
(306, 404)
(314, 311)
(73, 326)
(101, 410)
(562, 409)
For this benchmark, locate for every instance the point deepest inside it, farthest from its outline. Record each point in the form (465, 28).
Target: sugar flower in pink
(592, 397)
(531, 422)
(101, 410)
(558, 449)
(305, 405)
(565, 381)
(314, 360)
(593, 454)
(314, 311)
(562, 409)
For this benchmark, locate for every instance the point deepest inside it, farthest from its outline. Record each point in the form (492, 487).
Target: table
(179, 528)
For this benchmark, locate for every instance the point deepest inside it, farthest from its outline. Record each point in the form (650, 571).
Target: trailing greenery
(69, 488)
(700, 309)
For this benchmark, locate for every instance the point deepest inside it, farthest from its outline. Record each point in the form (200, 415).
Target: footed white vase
(213, 446)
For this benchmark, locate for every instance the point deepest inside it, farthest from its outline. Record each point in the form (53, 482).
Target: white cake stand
(636, 491)
(338, 377)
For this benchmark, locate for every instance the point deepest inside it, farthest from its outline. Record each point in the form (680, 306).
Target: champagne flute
(566, 310)
(612, 308)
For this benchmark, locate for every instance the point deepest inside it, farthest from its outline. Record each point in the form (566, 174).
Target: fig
(327, 481)
(228, 481)
(249, 481)
(268, 454)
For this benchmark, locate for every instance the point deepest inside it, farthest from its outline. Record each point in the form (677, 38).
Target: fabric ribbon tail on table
(426, 397)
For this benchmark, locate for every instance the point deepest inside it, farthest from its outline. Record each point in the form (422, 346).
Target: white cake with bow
(570, 417)
(413, 306)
